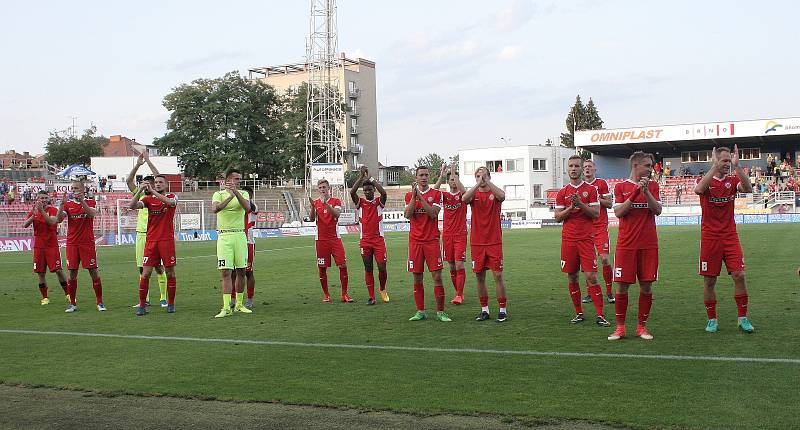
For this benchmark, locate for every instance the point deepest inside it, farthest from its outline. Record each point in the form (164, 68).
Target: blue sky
(451, 74)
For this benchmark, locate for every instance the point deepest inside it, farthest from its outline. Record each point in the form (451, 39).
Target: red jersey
(370, 215)
(160, 218)
(455, 214)
(326, 222)
(250, 219)
(485, 220)
(637, 229)
(44, 234)
(717, 204)
(601, 222)
(80, 226)
(423, 227)
(579, 225)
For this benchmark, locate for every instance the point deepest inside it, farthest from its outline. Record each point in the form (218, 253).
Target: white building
(524, 172)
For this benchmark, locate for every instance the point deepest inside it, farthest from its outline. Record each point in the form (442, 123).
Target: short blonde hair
(488, 174)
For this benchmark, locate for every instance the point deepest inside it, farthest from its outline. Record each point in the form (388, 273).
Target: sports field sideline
(297, 350)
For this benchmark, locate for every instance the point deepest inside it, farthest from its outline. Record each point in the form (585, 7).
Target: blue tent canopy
(76, 170)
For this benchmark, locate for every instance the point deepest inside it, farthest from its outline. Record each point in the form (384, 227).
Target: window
(750, 154)
(695, 156)
(515, 165)
(495, 166)
(471, 166)
(537, 191)
(353, 141)
(354, 122)
(514, 192)
(539, 165)
(351, 86)
(353, 107)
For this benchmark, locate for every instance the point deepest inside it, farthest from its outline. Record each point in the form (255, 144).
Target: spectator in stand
(657, 171)
(10, 196)
(3, 199)
(678, 192)
(667, 170)
(110, 185)
(103, 182)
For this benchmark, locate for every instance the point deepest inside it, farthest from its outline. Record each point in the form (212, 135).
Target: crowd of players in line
(581, 206)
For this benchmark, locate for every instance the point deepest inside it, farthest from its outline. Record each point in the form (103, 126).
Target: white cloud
(515, 15)
(510, 53)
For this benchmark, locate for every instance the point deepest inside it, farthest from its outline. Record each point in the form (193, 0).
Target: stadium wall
(612, 167)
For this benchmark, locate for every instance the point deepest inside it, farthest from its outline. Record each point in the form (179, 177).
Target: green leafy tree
(592, 120)
(63, 149)
(216, 123)
(434, 161)
(576, 118)
(580, 117)
(406, 177)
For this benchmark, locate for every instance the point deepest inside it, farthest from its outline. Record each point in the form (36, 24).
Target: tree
(216, 123)
(63, 149)
(592, 120)
(406, 177)
(434, 162)
(580, 117)
(575, 119)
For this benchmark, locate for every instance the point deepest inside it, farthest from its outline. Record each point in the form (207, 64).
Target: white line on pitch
(413, 348)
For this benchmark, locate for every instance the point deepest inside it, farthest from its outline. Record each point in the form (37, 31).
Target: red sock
(575, 295)
(98, 290)
(97, 286)
(501, 301)
(343, 279)
(65, 288)
(741, 304)
(171, 287)
(596, 293)
(621, 307)
(323, 279)
(369, 278)
(382, 279)
(608, 276)
(461, 279)
(251, 291)
(43, 290)
(484, 300)
(645, 301)
(419, 296)
(72, 288)
(711, 309)
(144, 286)
(438, 293)
(454, 278)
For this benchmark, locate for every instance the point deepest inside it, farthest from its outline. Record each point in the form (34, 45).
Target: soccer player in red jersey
(251, 217)
(325, 211)
(423, 204)
(486, 240)
(637, 204)
(454, 236)
(159, 249)
(46, 254)
(718, 238)
(370, 215)
(80, 212)
(577, 206)
(601, 242)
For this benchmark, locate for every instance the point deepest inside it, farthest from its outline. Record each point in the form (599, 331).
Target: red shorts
(46, 258)
(421, 253)
(487, 257)
(713, 252)
(159, 252)
(328, 247)
(251, 253)
(578, 254)
(601, 241)
(454, 248)
(633, 264)
(373, 247)
(85, 254)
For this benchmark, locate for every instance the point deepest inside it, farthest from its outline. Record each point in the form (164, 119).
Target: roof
(748, 132)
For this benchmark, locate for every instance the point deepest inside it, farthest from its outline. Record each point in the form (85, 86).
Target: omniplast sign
(684, 132)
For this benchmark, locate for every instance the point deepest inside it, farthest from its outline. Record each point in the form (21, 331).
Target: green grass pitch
(638, 392)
